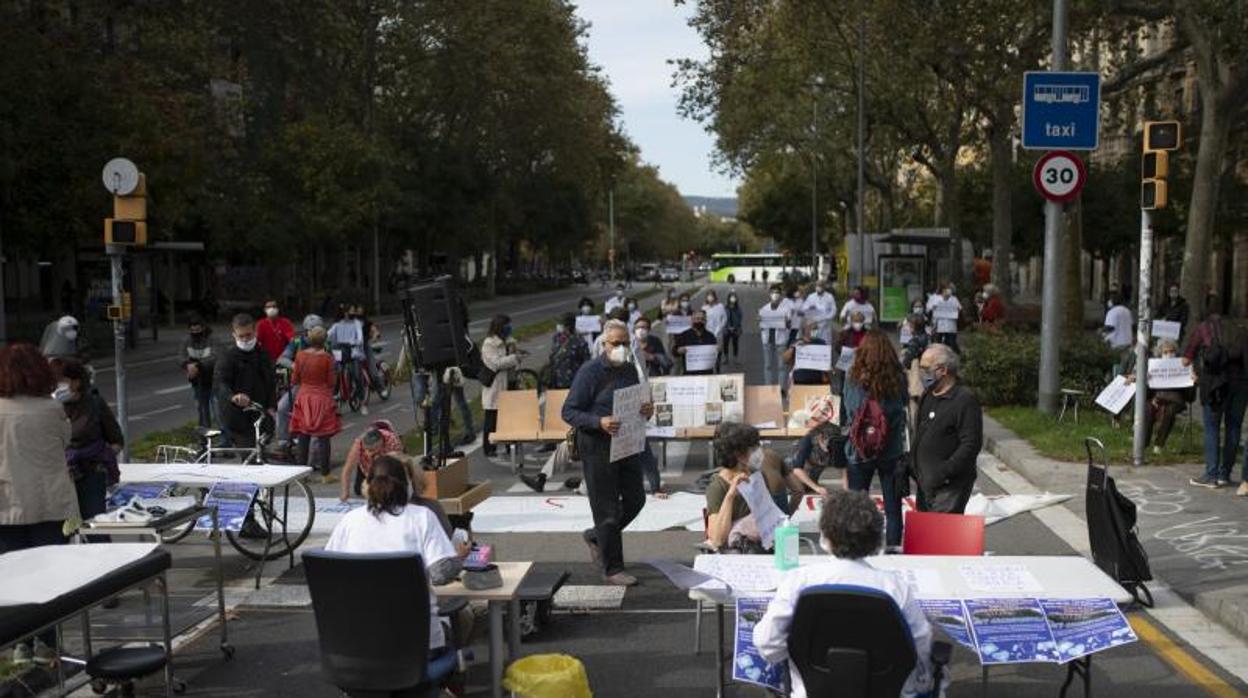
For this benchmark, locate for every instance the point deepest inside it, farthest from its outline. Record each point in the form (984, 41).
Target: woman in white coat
(499, 354)
(716, 315)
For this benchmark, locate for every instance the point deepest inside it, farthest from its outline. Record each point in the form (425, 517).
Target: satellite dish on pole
(121, 177)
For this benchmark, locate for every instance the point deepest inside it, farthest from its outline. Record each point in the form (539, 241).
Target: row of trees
(286, 131)
(942, 86)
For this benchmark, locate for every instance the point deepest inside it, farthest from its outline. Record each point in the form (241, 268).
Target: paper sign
(1169, 374)
(233, 501)
(631, 438)
(767, 515)
(1083, 626)
(741, 572)
(846, 360)
(942, 312)
(588, 324)
(773, 322)
(661, 432)
(687, 392)
(122, 495)
(677, 323)
(1010, 631)
(748, 665)
(814, 357)
(948, 615)
(993, 579)
(1116, 395)
(701, 357)
(1166, 329)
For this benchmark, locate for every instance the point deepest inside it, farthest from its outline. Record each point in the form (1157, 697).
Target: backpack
(1215, 357)
(869, 432)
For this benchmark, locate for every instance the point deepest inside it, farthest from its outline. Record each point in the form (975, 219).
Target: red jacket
(994, 311)
(273, 334)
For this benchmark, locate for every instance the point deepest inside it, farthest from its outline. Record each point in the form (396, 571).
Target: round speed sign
(1059, 175)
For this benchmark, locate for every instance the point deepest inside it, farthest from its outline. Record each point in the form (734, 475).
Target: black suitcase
(1112, 533)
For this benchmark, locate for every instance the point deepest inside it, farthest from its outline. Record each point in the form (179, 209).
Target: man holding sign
(1169, 391)
(616, 492)
(810, 356)
(697, 347)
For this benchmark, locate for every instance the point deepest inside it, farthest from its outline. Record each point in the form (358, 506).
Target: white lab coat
(716, 318)
(944, 325)
(851, 306)
(782, 311)
(821, 308)
(612, 303)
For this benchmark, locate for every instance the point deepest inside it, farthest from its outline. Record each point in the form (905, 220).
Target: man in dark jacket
(948, 435)
(696, 335)
(243, 376)
(1175, 309)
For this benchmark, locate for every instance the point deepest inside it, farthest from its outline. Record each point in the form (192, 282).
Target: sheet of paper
(741, 572)
(772, 322)
(766, 425)
(927, 582)
(701, 357)
(233, 501)
(748, 665)
(846, 360)
(588, 324)
(631, 438)
(691, 390)
(1010, 631)
(1166, 329)
(676, 324)
(1083, 626)
(1116, 395)
(1000, 579)
(950, 616)
(122, 494)
(766, 514)
(1165, 374)
(945, 312)
(661, 432)
(684, 578)
(813, 357)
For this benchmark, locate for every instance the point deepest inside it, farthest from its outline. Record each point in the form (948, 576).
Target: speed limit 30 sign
(1059, 175)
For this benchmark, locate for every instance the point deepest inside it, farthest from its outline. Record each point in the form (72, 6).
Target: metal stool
(1070, 396)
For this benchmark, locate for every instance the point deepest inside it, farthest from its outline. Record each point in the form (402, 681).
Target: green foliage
(144, 449)
(1004, 368)
(1065, 441)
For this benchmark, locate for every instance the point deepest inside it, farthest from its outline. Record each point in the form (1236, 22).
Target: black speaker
(436, 325)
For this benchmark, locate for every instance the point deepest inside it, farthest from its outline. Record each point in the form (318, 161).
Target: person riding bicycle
(243, 376)
(346, 337)
(287, 362)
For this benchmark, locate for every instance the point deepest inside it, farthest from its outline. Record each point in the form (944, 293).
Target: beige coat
(495, 357)
(34, 479)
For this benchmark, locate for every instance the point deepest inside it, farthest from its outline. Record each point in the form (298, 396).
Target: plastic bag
(547, 676)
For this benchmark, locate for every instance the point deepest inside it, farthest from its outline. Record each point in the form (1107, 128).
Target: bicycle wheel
(271, 508)
(527, 379)
(385, 380)
(173, 535)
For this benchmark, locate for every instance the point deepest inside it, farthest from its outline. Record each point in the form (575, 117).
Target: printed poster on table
(676, 324)
(684, 402)
(233, 501)
(631, 438)
(122, 494)
(1166, 329)
(948, 615)
(1083, 626)
(701, 357)
(748, 664)
(813, 357)
(1116, 395)
(588, 324)
(845, 361)
(1169, 374)
(1010, 631)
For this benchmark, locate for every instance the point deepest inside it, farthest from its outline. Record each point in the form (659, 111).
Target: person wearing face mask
(917, 342)
(1175, 309)
(61, 340)
(670, 304)
(739, 453)
(497, 356)
(346, 340)
(616, 490)
(805, 376)
(1163, 405)
(649, 350)
(697, 335)
(820, 308)
(1118, 332)
(993, 312)
(948, 435)
(95, 437)
(586, 308)
(615, 301)
(850, 527)
(859, 302)
(634, 311)
(716, 317)
(285, 404)
(945, 309)
(273, 331)
(773, 323)
(243, 375)
(621, 314)
(731, 348)
(199, 359)
(568, 351)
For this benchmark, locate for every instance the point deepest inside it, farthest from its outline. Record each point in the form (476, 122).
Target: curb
(1227, 607)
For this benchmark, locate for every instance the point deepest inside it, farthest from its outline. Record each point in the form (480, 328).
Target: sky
(632, 41)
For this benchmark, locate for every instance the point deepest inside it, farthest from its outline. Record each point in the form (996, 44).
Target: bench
(518, 419)
(553, 428)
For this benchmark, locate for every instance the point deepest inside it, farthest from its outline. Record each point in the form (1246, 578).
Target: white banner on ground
(814, 357)
(563, 513)
(701, 357)
(1166, 329)
(1169, 374)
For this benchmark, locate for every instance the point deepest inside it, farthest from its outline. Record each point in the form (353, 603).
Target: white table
(1060, 576)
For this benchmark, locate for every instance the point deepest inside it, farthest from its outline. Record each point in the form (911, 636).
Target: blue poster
(948, 615)
(233, 501)
(1083, 626)
(747, 664)
(122, 494)
(1011, 631)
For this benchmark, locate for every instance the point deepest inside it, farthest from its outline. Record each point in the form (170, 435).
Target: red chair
(929, 533)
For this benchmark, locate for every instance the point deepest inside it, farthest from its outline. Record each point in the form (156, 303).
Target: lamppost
(814, 177)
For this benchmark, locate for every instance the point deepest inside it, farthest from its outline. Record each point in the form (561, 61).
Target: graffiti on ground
(1154, 500)
(1212, 542)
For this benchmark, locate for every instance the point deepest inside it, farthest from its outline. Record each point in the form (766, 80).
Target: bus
(731, 267)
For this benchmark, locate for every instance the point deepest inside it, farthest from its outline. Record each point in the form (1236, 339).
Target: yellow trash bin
(547, 676)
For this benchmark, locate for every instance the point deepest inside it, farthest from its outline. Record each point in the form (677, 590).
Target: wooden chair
(518, 420)
(553, 427)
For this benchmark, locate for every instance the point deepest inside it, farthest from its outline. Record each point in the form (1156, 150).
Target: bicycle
(272, 518)
(384, 385)
(348, 391)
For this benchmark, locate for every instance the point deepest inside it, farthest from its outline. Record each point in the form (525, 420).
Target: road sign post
(1059, 176)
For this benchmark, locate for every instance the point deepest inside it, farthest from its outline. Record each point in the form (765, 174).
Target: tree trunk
(1072, 270)
(1002, 206)
(952, 217)
(491, 273)
(1215, 124)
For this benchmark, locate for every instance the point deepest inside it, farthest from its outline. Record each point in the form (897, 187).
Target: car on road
(669, 274)
(579, 277)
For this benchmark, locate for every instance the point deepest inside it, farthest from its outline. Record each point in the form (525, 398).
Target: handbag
(574, 453)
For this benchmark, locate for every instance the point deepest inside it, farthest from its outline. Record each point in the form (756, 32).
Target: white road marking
(171, 391)
(153, 413)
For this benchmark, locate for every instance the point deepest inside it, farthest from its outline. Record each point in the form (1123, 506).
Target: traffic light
(1153, 194)
(1159, 138)
(128, 226)
(1156, 164)
(1162, 135)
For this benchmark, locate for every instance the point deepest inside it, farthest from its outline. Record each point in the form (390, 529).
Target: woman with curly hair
(876, 385)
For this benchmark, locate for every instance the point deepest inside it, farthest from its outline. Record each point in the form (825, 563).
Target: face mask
(857, 326)
(917, 310)
(586, 309)
(710, 300)
(684, 304)
(618, 355)
(62, 392)
(619, 294)
(1174, 295)
(271, 312)
(775, 297)
(559, 329)
(641, 333)
(819, 290)
(928, 379)
(71, 334)
(507, 330)
(197, 333)
(756, 459)
(732, 300)
(1109, 304)
(632, 306)
(247, 345)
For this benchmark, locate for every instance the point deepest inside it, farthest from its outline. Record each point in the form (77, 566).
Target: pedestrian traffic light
(1162, 135)
(1156, 164)
(1153, 194)
(128, 226)
(119, 232)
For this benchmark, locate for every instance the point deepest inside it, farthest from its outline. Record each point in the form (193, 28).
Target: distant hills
(723, 206)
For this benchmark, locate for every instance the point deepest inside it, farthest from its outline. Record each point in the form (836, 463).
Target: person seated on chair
(739, 454)
(1163, 405)
(390, 524)
(851, 528)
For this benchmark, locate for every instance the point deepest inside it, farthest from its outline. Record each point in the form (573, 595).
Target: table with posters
(691, 407)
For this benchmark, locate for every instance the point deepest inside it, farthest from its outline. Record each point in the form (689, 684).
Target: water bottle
(786, 542)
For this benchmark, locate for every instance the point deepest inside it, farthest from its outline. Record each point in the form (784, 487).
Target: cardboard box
(450, 481)
(471, 497)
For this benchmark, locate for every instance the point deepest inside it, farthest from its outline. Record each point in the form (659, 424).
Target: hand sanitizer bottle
(786, 543)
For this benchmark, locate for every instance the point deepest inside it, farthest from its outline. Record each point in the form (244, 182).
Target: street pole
(1142, 332)
(862, 135)
(611, 228)
(376, 265)
(814, 182)
(116, 258)
(1050, 302)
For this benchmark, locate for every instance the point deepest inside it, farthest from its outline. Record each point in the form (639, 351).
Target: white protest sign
(588, 324)
(814, 357)
(773, 322)
(691, 391)
(945, 311)
(766, 514)
(1116, 395)
(1166, 329)
(846, 360)
(631, 437)
(677, 323)
(1169, 374)
(701, 357)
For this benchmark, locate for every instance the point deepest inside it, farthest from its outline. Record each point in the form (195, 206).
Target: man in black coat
(243, 375)
(949, 433)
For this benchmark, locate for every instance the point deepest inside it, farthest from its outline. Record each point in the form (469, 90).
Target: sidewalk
(1197, 539)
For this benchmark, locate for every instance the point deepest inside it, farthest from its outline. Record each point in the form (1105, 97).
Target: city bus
(729, 267)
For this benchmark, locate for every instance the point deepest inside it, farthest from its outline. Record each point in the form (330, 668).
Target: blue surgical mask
(928, 379)
(507, 330)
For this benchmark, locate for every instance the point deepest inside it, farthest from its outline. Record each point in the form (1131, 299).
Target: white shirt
(820, 307)
(781, 312)
(772, 632)
(416, 529)
(347, 331)
(851, 306)
(945, 325)
(716, 318)
(1119, 320)
(612, 303)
